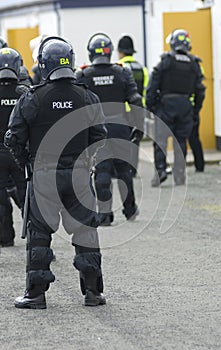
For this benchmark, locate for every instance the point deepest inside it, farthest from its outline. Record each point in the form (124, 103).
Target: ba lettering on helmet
(64, 61)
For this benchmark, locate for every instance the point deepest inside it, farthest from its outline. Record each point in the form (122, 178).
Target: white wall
(216, 30)
(78, 25)
(46, 20)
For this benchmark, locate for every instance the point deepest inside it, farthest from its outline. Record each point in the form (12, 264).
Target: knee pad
(89, 262)
(39, 257)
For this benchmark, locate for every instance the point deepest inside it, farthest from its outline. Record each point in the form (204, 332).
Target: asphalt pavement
(162, 276)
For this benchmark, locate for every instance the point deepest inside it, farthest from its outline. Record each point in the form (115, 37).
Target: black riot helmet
(3, 43)
(180, 41)
(126, 45)
(56, 58)
(100, 46)
(10, 63)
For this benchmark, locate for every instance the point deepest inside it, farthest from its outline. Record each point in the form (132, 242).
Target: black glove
(136, 136)
(21, 89)
(10, 140)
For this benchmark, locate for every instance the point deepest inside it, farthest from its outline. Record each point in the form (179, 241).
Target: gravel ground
(162, 277)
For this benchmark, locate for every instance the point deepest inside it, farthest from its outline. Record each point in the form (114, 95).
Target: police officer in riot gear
(10, 63)
(126, 52)
(194, 140)
(112, 83)
(24, 82)
(174, 82)
(23, 74)
(35, 114)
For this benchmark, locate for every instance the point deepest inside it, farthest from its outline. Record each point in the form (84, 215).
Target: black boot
(158, 178)
(32, 299)
(90, 286)
(131, 213)
(106, 219)
(92, 299)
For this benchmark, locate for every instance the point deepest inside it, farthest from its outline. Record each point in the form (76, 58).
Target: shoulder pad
(118, 67)
(82, 85)
(165, 55)
(197, 59)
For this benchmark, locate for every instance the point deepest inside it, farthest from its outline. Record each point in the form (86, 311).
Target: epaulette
(118, 67)
(119, 64)
(195, 58)
(165, 54)
(84, 66)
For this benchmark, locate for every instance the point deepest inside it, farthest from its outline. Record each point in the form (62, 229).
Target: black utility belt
(175, 95)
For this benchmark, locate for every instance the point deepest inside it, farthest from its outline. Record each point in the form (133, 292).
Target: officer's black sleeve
(97, 130)
(23, 113)
(24, 77)
(79, 77)
(153, 88)
(199, 90)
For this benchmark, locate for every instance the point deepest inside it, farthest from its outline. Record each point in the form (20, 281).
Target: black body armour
(8, 99)
(56, 100)
(138, 75)
(106, 81)
(179, 75)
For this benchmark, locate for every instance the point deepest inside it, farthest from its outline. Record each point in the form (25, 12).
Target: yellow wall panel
(198, 24)
(19, 40)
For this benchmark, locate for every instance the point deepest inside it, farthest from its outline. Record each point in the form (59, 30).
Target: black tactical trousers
(103, 185)
(196, 147)
(72, 200)
(117, 155)
(174, 118)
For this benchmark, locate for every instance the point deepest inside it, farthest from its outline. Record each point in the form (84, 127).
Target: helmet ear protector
(49, 38)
